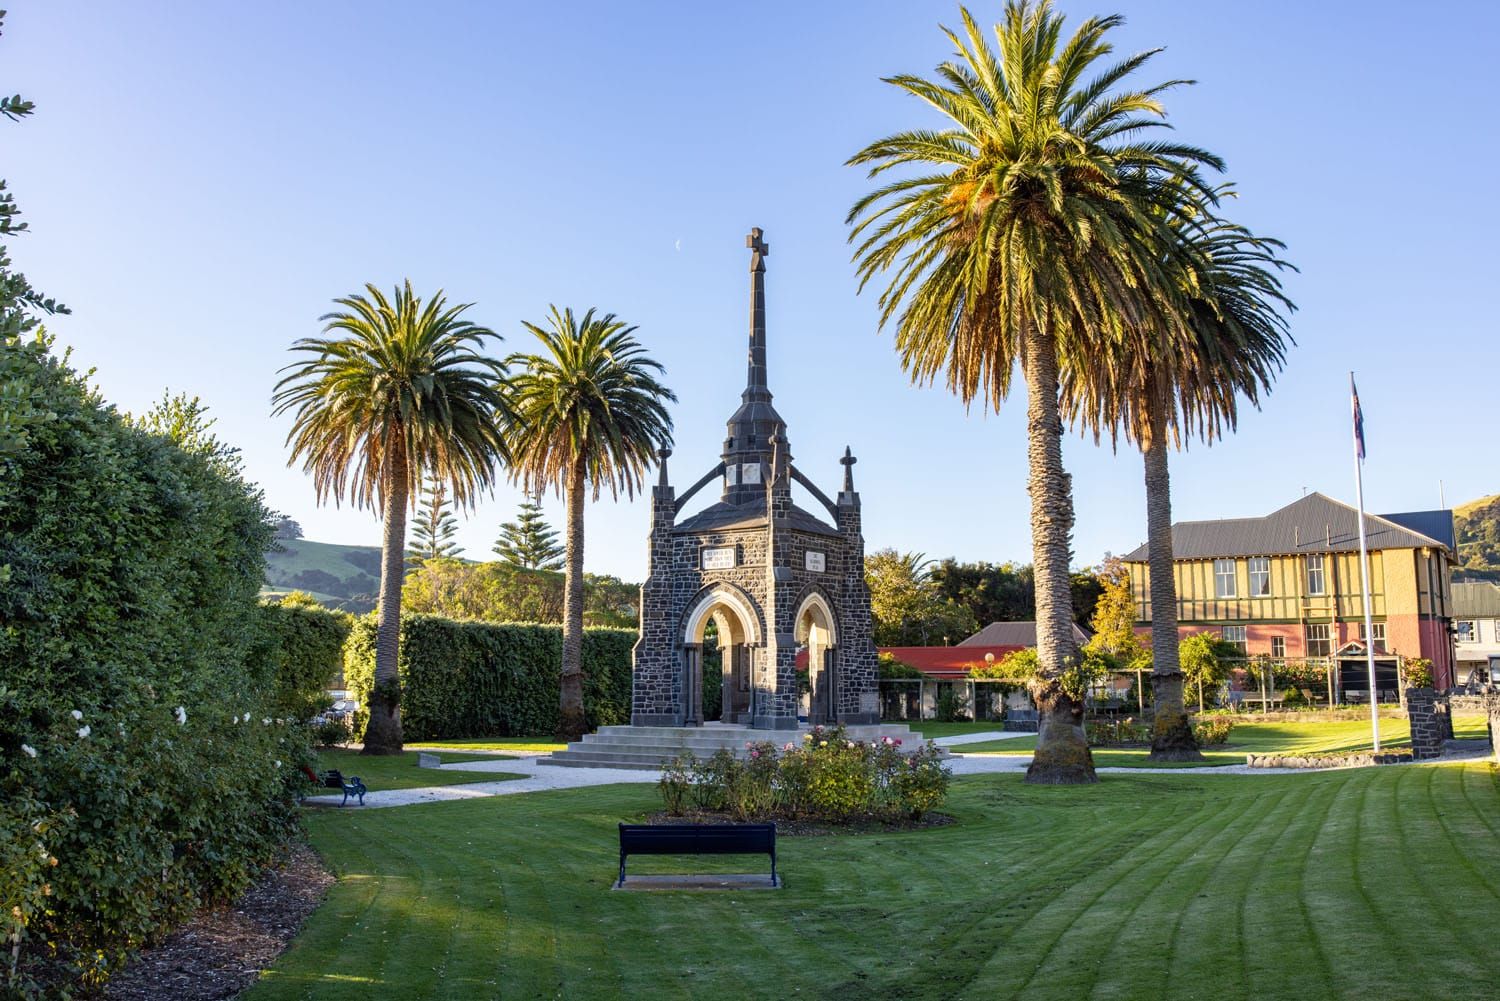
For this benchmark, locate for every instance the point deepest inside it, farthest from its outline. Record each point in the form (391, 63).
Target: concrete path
(978, 738)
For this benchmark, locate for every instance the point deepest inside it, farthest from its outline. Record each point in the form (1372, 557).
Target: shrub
(479, 679)
(1212, 731)
(1418, 672)
(131, 558)
(305, 643)
(1107, 732)
(952, 706)
(828, 778)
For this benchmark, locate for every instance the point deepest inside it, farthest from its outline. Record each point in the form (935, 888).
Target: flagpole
(1364, 559)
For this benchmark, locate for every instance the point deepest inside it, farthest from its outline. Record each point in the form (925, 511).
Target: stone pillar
(859, 689)
(656, 695)
(1427, 712)
(776, 698)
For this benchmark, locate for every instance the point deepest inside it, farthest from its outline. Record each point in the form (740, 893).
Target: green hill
(1477, 525)
(345, 577)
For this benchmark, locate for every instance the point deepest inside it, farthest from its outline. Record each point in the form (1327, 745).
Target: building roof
(1313, 524)
(722, 516)
(1013, 634)
(947, 663)
(1477, 599)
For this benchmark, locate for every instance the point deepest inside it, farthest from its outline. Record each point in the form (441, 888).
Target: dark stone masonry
(772, 577)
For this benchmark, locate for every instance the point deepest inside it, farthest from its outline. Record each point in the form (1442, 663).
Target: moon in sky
(678, 244)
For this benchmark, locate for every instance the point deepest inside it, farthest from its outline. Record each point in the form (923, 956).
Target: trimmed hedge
(480, 679)
(306, 646)
(132, 785)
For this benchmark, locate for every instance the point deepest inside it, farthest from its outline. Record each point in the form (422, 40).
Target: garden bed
(222, 950)
(1347, 759)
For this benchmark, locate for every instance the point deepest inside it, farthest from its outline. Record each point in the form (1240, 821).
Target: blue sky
(202, 179)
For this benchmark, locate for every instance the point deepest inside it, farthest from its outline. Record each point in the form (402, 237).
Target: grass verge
(401, 771)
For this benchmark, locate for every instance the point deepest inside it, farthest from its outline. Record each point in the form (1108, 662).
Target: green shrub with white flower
(826, 776)
(139, 775)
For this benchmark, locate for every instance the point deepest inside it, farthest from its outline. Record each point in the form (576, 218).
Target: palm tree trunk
(383, 731)
(1062, 750)
(570, 721)
(1171, 730)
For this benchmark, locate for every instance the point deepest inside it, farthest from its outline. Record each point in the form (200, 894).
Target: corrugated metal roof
(1476, 600)
(947, 663)
(1312, 524)
(1017, 634)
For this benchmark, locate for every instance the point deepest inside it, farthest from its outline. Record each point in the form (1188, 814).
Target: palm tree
(398, 388)
(589, 412)
(1024, 236)
(1158, 397)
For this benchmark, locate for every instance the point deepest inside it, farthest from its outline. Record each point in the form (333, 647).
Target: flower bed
(826, 778)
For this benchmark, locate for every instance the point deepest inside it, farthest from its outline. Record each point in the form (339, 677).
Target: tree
(1162, 390)
(906, 605)
(1024, 236)
(1204, 661)
(287, 528)
(529, 542)
(1113, 624)
(401, 390)
(589, 413)
(432, 535)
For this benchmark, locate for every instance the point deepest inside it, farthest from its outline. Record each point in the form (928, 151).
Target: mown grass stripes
(1359, 884)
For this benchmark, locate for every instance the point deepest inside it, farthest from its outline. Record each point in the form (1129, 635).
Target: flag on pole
(1359, 420)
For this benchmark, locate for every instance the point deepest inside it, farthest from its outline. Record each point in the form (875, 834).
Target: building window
(1315, 576)
(1468, 631)
(1224, 578)
(1319, 640)
(1260, 576)
(1379, 635)
(1235, 636)
(1278, 646)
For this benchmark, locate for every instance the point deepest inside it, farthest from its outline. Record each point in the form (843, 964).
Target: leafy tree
(1113, 624)
(1205, 660)
(1025, 236)
(1161, 391)
(529, 542)
(185, 422)
(400, 390)
(432, 534)
(1006, 592)
(907, 606)
(287, 529)
(589, 413)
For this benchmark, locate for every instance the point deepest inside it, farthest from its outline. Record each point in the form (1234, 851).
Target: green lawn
(932, 729)
(401, 771)
(539, 745)
(1369, 884)
(1256, 738)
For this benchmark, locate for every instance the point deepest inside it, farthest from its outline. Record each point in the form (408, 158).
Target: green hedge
(130, 568)
(306, 646)
(479, 679)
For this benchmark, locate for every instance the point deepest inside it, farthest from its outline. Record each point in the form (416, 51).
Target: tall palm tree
(589, 413)
(1161, 391)
(1022, 235)
(396, 389)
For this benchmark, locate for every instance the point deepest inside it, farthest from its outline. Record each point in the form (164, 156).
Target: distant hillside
(1477, 525)
(346, 577)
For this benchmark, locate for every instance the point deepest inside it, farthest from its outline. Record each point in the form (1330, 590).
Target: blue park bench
(352, 786)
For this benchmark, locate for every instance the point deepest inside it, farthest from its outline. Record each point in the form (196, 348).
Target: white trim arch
(816, 600)
(730, 598)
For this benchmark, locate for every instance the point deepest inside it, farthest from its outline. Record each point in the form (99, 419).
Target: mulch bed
(792, 826)
(223, 949)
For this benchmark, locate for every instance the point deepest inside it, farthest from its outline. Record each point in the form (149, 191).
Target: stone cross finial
(662, 455)
(759, 249)
(848, 462)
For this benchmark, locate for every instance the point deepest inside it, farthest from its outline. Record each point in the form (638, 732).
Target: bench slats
(697, 839)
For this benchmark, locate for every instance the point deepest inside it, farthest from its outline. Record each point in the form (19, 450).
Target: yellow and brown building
(1287, 585)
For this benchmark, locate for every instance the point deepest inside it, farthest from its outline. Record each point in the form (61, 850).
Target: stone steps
(649, 747)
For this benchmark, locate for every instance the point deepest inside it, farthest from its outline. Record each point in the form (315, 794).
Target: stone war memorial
(784, 588)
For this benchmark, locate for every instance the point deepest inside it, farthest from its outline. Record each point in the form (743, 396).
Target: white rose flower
(84, 730)
(278, 764)
(247, 717)
(181, 715)
(28, 750)
(76, 715)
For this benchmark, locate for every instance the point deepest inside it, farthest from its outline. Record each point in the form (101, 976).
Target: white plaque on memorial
(750, 472)
(731, 475)
(815, 561)
(718, 559)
